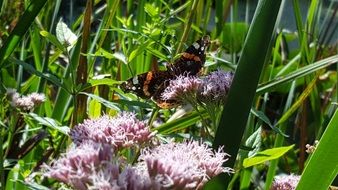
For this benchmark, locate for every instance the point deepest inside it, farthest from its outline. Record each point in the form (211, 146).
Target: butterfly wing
(192, 59)
(147, 84)
(153, 83)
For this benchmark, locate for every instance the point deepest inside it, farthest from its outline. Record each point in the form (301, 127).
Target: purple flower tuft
(26, 103)
(78, 163)
(187, 165)
(124, 130)
(182, 87)
(110, 177)
(37, 98)
(216, 85)
(92, 166)
(285, 182)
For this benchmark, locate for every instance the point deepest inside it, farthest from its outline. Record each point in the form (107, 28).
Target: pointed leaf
(49, 122)
(103, 101)
(266, 155)
(265, 119)
(52, 39)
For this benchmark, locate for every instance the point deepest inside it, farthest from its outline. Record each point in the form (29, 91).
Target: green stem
(153, 117)
(194, 104)
(211, 109)
(187, 26)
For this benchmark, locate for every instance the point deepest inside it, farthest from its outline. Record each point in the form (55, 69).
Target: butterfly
(152, 84)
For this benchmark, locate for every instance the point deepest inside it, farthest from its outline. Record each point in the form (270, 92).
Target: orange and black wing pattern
(153, 83)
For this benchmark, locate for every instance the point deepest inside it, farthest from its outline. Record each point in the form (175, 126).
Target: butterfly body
(153, 83)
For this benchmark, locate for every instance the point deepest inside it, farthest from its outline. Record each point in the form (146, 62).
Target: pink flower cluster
(93, 166)
(182, 85)
(214, 87)
(94, 162)
(186, 165)
(122, 131)
(25, 103)
(285, 182)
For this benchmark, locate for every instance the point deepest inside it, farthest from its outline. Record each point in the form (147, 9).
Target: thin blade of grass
(187, 26)
(29, 68)
(299, 101)
(304, 71)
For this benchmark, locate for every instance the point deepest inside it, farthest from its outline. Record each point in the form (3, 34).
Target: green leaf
(94, 109)
(151, 10)
(266, 155)
(97, 82)
(120, 56)
(304, 71)
(137, 51)
(53, 40)
(157, 53)
(49, 122)
(265, 119)
(138, 104)
(243, 89)
(181, 123)
(103, 101)
(33, 186)
(33, 71)
(233, 36)
(254, 141)
(322, 167)
(117, 55)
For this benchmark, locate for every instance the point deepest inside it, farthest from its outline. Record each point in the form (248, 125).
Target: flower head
(37, 98)
(285, 182)
(124, 130)
(78, 163)
(187, 165)
(216, 85)
(182, 88)
(93, 166)
(112, 177)
(26, 103)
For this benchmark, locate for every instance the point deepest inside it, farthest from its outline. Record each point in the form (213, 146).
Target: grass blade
(322, 166)
(306, 70)
(237, 108)
(247, 74)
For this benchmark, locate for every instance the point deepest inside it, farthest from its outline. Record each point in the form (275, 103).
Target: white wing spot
(196, 45)
(135, 80)
(133, 88)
